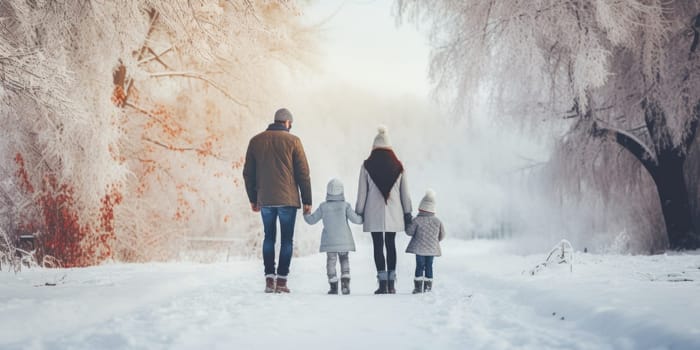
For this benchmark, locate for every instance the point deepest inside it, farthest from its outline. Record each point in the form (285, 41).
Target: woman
(384, 203)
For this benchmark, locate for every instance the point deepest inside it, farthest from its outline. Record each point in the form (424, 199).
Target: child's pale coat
(426, 232)
(335, 213)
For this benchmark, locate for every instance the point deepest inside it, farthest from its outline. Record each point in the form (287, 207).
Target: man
(275, 171)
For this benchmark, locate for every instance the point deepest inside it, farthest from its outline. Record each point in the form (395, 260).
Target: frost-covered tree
(104, 100)
(620, 70)
(190, 102)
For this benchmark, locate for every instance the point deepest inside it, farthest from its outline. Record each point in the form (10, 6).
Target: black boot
(382, 288)
(382, 277)
(391, 285)
(334, 287)
(417, 286)
(428, 285)
(345, 285)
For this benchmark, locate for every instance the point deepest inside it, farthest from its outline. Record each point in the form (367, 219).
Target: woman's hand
(407, 219)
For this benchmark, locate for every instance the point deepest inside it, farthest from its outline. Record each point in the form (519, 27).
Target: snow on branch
(630, 142)
(496, 43)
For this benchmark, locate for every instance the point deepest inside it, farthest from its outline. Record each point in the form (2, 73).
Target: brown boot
(281, 285)
(270, 284)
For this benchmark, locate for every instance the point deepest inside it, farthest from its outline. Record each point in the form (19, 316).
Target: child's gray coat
(335, 213)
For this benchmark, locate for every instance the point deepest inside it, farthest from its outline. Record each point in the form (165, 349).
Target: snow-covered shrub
(562, 253)
(13, 258)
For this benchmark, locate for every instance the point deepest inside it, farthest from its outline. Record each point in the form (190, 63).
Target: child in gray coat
(336, 238)
(426, 232)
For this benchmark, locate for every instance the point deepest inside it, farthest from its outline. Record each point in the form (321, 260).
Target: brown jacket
(276, 169)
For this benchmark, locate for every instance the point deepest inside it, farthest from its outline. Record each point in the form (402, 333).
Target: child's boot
(391, 283)
(428, 285)
(269, 283)
(418, 285)
(334, 287)
(382, 278)
(345, 285)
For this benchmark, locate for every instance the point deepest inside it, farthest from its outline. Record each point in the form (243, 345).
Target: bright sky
(369, 71)
(362, 45)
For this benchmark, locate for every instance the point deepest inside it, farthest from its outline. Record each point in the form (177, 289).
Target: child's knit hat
(335, 191)
(428, 202)
(382, 139)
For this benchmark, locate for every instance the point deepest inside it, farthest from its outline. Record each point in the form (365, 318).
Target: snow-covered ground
(481, 300)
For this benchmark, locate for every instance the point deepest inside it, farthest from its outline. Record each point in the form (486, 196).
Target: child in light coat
(426, 232)
(336, 238)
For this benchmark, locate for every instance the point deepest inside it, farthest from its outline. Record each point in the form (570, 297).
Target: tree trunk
(675, 204)
(667, 171)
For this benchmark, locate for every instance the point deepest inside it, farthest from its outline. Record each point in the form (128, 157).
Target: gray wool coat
(426, 232)
(378, 215)
(335, 213)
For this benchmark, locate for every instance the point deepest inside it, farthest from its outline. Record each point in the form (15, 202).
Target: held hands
(407, 219)
(307, 209)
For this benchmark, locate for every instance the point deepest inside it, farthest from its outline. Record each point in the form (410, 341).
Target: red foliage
(184, 210)
(100, 248)
(62, 236)
(24, 182)
(118, 96)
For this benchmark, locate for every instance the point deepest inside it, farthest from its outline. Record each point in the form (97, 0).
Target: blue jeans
(424, 264)
(287, 216)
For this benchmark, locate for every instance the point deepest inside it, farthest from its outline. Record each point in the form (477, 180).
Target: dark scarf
(384, 169)
(277, 127)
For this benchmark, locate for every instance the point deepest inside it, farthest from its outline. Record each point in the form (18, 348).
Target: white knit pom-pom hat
(428, 202)
(335, 187)
(382, 139)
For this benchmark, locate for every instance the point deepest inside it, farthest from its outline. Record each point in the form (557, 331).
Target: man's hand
(307, 209)
(255, 207)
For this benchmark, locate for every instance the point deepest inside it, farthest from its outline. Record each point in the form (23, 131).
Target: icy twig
(562, 253)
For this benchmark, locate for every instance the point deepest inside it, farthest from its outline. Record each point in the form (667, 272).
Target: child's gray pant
(332, 259)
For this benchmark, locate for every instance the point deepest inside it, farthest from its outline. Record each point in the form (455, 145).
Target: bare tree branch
(156, 57)
(180, 149)
(201, 77)
(144, 111)
(153, 15)
(169, 147)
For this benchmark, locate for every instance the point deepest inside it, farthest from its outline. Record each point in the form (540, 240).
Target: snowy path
(481, 301)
